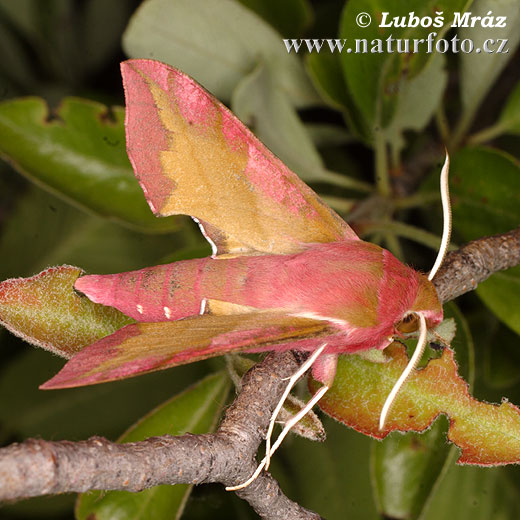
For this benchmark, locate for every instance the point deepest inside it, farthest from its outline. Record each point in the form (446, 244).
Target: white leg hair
(292, 381)
(446, 213)
(296, 418)
(291, 422)
(419, 349)
(288, 425)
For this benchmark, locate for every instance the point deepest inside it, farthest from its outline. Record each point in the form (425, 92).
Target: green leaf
(479, 70)
(474, 494)
(69, 414)
(501, 354)
(79, 154)
(501, 294)
(485, 190)
(195, 36)
(462, 344)
(328, 135)
(510, 117)
(196, 410)
(418, 101)
(486, 200)
(508, 122)
(327, 75)
(46, 311)
(376, 78)
(487, 434)
(61, 234)
(290, 17)
(406, 468)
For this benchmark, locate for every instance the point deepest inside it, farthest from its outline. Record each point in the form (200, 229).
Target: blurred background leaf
(194, 35)
(376, 79)
(79, 153)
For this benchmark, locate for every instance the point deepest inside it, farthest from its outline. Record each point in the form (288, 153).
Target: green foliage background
(366, 130)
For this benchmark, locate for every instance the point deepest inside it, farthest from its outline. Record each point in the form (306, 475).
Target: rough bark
(38, 467)
(471, 264)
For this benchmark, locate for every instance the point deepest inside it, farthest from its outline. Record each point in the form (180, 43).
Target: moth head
(426, 303)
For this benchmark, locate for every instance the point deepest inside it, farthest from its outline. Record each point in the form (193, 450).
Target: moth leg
(269, 450)
(295, 419)
(442, 343)
(292, 381)
(288, 425)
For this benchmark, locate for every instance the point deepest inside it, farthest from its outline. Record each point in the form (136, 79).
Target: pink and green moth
(286, 271)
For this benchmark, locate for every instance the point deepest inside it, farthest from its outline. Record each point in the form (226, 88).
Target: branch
(37, 467)
(476, 261)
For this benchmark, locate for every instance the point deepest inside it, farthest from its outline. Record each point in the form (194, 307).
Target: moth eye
(410, 323)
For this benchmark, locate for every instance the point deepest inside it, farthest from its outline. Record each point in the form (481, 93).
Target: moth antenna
(446, 215)
(419, 350)
(291, 422)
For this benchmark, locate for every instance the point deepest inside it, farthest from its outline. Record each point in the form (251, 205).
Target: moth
(286, 272)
